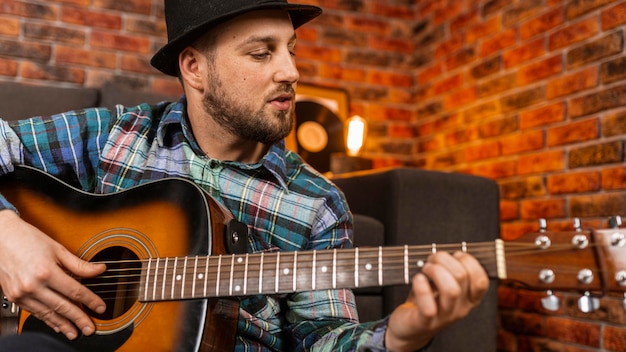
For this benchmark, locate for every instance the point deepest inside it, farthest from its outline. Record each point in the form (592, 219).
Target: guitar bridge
(9, 316)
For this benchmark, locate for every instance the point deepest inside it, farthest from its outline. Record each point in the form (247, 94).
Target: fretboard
(178, 278)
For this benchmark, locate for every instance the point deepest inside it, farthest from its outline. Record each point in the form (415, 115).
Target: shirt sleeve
(327, 320)
(63, 145)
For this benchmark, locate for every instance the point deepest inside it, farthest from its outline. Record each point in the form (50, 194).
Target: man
(235, 60)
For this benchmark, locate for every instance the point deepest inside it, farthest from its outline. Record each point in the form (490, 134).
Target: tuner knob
(620, 277)
(543, 242)
(618, 239)
(551, 302)
(580, 241)
(588, 304)
(585, 276)
(547, 276)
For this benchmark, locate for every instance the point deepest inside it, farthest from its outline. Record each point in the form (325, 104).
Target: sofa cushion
(22, 101)
(112, 94)
(368, 232)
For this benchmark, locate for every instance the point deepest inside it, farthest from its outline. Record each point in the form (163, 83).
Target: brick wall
(530, 93)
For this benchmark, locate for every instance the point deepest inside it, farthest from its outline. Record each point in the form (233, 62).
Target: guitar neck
(284, 272)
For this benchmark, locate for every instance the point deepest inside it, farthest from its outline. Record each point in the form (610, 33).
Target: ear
(192, 67)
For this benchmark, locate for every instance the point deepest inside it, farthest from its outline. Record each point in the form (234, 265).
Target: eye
(260, 55)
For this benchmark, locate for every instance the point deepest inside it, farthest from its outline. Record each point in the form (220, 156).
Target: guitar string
(391, 265)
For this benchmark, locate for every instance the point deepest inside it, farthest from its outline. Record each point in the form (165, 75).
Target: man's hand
(35, 273)
(446, 290)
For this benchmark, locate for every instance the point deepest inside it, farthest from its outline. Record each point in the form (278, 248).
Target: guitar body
(167, 218)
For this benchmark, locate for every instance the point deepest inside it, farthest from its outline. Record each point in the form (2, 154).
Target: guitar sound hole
(118, 286)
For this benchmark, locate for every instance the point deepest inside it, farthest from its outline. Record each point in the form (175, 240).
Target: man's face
(252, 76)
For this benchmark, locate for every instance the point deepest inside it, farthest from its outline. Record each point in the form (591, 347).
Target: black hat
(186, 20)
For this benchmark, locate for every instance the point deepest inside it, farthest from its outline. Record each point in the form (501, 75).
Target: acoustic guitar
(176, 261)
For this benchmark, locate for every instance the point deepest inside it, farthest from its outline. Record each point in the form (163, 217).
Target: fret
(406, 264)
(238, 274)
(335, 268)
(194, 278)
(156, 273)
(174, 277)
(245, 276)
(286, 272)
(206, 275)
(230, 280)
(164, 278)
(356, 267)
(184, 277)
(295, 270)
(313, 270)
(277, 277)
(261, 274)
(147, 278)
(380, 266)
(219, 272)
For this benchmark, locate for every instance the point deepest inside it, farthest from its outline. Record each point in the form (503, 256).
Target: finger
(72, 289)
(52, 318)
(423, 297)
(447, 286)
(478, 282)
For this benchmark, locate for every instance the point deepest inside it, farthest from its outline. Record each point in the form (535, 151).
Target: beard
(259, 125)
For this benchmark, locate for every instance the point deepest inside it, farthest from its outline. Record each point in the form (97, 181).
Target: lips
(282, 102)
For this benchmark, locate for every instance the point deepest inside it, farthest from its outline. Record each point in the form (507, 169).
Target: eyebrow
(263, 39)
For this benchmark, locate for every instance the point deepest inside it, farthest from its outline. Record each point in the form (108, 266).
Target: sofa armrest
(423, 207)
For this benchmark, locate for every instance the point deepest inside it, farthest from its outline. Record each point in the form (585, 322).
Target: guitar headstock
(592, 262)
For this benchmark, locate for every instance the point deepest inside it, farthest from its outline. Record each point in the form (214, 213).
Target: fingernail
(87, 331)
(100, 309)
(70, 335)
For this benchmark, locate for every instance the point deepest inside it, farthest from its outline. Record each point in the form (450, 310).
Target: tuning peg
(577, 224)
(543, 225)
(588, 304)
(615, 221)
(552, 303)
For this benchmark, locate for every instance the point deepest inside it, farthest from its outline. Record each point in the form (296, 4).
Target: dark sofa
(391, 207)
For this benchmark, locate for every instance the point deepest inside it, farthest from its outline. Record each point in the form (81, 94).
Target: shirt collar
(175, 119)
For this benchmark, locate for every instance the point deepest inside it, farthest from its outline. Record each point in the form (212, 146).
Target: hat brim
(166, 59)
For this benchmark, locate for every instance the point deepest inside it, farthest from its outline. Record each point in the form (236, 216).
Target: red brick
(447, 84)
(574, 182)
(30, 10)
(598, 101)
(362, 24)
(614, 338)
(9, 26)
(614, 178)
(54, 33)
(133, 6)
(553, 160)
(483, 150)
(614, 16)
(401, 131)
(544, 208)
(497, 85)
(522, 142)
(8, 67)
(540, 70)
(72, 55)
(429, 73)
(120, 42)
(597, 205)
(542, 116)
(483, 29)
(573, 132)
(523, 53)
(389, 44)
(459, 98)
(516, 229)
(498, 42)
(583, 333)
(135, 63)
(318, 53)
(395, 11)
(494, 169)
(542, 24)
(464, 20)
(614, 124)
(581, 8)
(84, 17)
(594, 50)
(509, 210)
(44, 72)
(524, 187)
(573, 33)
(572, 83)
(387, 78)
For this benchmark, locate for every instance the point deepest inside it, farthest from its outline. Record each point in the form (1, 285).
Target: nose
(286, 70)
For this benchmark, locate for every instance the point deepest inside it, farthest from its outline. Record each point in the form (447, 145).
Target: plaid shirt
(286, 204)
